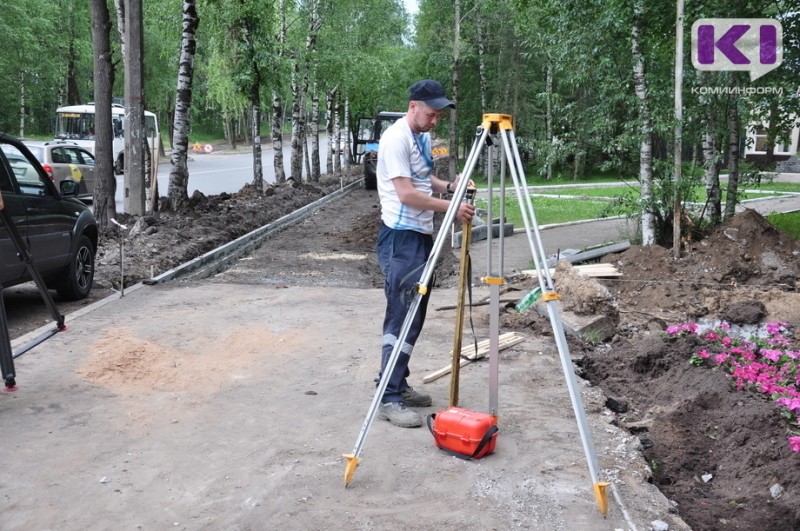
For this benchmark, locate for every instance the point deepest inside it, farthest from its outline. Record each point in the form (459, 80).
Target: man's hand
(466, 212)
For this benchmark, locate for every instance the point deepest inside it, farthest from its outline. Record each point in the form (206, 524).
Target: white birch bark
(646, 145)
(179, 172)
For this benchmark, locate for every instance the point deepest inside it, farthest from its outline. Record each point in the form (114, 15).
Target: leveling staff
(406, 185)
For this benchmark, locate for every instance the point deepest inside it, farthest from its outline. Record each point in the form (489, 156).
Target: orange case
(460, 431)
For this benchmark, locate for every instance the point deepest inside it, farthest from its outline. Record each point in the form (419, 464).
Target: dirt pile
(721, 454)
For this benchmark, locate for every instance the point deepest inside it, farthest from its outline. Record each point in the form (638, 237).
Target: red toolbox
(464, 433)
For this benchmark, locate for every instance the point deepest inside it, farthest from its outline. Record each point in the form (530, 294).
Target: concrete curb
(224, 254)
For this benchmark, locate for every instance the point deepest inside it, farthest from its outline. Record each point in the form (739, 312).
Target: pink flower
(792, 404)
(704, 354)
(794, 443)
(712, 336)
(721, 358)
(673, 329)
(727, 341)
(775, 327)
(772, 355)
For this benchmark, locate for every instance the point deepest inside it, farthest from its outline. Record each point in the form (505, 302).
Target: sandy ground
(211, 405)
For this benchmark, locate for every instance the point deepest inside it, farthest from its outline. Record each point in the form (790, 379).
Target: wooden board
(468, 353)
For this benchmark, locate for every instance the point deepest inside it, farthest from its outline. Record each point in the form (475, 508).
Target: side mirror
(68, 188)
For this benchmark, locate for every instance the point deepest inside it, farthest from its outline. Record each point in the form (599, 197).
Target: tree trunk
(179, 172)
(105, 207)
(481, 45)
(733, 160)
(646, 145)
(336, 140)
(21, 80)
(277, 138)
(452, 158)
(772, 134)
(711, 165)
(330, 102)
(119, 5)
(347, 136)
(258, 165)
(314, 125)
(303, 120)
(73, 92)
(296, 164)
(549, 125)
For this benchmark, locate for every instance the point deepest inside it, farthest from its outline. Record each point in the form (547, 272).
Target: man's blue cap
(431, 92)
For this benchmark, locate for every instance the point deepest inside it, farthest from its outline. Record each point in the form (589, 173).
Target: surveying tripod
(492, 128)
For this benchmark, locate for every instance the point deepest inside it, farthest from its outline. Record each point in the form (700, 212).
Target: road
(217, 172)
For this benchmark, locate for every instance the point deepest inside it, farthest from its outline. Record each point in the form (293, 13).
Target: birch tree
(646, 146)
(179, 171)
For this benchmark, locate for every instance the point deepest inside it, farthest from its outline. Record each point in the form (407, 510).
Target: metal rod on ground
(120, 227)
(422, 290)
(464, 279)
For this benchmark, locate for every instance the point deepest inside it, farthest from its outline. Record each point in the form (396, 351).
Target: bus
(76, 123)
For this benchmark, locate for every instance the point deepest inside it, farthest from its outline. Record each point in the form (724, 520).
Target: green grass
(562, 210)
(789, 224)
(548, 210)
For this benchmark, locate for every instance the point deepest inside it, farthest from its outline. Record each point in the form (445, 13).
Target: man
(406, 187)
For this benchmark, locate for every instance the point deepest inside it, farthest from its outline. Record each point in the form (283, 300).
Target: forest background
(591, 84)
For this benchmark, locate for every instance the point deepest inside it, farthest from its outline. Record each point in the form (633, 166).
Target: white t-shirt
(402, 153)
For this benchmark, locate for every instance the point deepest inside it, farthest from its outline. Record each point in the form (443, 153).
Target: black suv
(59, 230)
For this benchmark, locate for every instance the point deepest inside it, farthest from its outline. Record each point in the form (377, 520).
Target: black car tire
(370, 177)
(76, 280)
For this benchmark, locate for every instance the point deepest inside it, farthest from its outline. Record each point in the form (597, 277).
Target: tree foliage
(562, 68)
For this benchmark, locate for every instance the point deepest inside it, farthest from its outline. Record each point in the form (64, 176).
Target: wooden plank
(468, 353)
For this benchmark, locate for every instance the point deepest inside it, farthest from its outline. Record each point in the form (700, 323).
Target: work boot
(414, 398)
(399, 415)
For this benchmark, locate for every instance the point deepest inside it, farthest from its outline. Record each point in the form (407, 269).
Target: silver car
(62, 160)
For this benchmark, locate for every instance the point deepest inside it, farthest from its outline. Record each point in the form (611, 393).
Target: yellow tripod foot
(601, 497)
(352, 463)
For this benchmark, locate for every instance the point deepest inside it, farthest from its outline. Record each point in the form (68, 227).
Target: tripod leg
(551, 298)
(6, 356)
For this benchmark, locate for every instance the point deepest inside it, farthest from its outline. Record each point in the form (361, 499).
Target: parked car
(59, 230)
(62, 159)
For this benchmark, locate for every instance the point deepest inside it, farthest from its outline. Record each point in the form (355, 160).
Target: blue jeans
(402, 255)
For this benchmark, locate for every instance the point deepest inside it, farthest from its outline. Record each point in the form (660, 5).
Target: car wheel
(370, 177)
(75, 282)
(119, 165)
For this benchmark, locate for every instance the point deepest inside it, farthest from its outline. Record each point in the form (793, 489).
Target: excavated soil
(715, 451)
